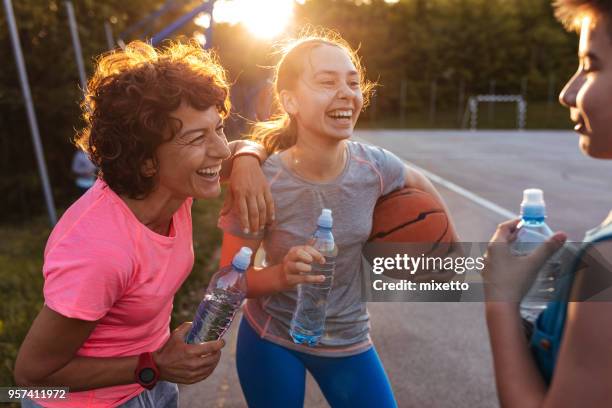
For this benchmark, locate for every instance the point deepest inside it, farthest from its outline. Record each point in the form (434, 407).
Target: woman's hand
(297, 266)
(250, 193)
(187, 363)
(507, 276)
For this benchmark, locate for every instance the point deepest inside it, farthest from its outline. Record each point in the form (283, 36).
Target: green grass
(21, 281)
(540, 115)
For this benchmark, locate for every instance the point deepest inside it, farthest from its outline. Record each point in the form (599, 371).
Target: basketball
(409, 215)
(413, 217)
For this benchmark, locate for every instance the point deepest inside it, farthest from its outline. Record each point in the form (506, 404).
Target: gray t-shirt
(369, 173)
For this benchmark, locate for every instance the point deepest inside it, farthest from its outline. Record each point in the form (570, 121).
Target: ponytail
(276, 134)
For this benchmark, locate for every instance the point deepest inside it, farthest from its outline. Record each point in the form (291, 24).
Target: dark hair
(280, 132)
(570, 12)
(129, 101)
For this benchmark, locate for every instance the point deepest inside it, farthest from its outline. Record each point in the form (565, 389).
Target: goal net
(471, 111)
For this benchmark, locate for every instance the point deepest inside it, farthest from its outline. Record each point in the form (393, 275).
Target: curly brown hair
(128, 106)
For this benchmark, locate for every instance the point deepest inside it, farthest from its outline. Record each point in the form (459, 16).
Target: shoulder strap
(548, 329)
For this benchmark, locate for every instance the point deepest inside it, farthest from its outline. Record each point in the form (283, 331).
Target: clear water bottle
(533, 231)
(309, 316)
(226, 291)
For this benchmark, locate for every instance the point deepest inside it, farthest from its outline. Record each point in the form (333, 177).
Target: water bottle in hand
(309, 316)
(533, 231)
(225, 293)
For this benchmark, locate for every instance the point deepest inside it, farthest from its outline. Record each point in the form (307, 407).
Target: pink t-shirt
(102, 264)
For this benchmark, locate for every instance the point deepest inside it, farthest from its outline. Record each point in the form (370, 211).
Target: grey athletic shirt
(369, 173)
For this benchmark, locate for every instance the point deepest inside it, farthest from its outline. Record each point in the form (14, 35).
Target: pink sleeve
(84, 281)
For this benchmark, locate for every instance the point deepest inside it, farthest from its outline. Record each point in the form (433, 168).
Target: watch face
(146, 375)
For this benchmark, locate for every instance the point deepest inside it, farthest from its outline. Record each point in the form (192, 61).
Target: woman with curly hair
(115, 260)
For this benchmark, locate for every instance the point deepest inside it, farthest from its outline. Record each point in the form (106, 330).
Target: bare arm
(519, 383)
(245, 149)
(48, 357)
(583, 366)
(268, 276)
(275, 278)
(248, 190)
(584, 363)
(44, 362)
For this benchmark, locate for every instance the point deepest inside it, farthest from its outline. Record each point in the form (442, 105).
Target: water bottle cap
(533, 205)
(325, 219)
(533, 196)
(242, 259)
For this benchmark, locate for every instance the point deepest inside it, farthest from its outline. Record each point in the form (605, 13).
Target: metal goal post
(471, 112)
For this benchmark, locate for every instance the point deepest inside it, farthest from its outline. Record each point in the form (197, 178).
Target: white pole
(108, 30)
(76, 43)
(522, 112)
(473, 113)
(27, 95)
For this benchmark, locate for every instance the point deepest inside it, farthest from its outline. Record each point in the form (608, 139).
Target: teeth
(209, 171)
(340, 114)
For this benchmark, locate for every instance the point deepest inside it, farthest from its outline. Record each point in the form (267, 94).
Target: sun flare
(263, 18)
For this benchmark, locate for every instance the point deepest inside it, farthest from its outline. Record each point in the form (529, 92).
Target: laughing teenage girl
(320, 85)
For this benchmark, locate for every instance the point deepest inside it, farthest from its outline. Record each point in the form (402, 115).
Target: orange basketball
(409, 215)
(417, 221)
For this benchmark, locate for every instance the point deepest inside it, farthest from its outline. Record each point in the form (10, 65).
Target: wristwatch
(147, 373)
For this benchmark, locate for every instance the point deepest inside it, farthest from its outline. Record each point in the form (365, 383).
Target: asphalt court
(437, 354)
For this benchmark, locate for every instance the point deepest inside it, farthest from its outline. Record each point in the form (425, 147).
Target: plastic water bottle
(533, 231)
(309, 316)
(225, 293)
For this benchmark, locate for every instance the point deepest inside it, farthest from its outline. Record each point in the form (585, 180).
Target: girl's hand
(250, 193)
(507, 276)
(297, 266)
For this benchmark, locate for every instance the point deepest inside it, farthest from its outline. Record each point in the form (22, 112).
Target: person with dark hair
(566, 361)
(84, 171)
(113, 263)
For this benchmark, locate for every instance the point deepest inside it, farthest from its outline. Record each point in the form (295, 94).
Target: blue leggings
(272, 376)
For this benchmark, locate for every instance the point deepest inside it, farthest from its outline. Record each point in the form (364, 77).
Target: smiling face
(189, 164)
(327, 98)
(588, 94)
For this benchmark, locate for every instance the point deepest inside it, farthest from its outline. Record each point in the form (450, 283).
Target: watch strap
(146, 362)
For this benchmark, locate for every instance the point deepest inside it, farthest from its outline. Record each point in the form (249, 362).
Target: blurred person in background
(83, 170)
